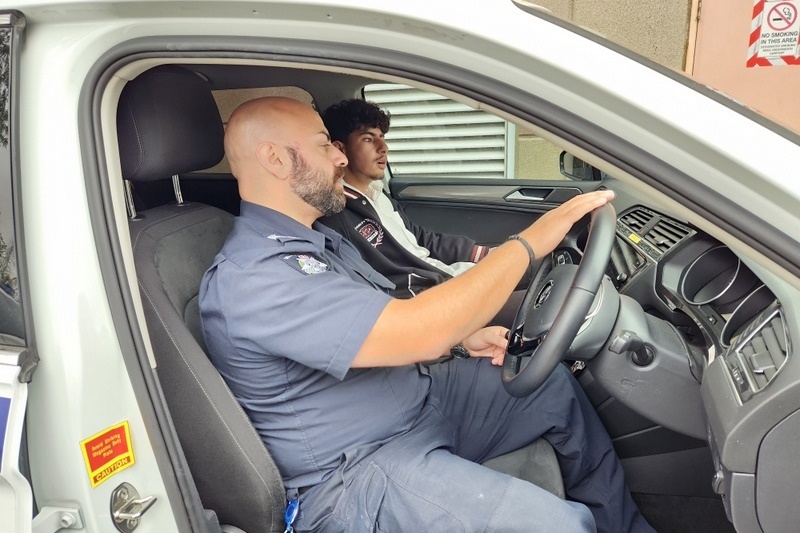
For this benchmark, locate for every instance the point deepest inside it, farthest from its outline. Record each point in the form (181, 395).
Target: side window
(12, 331)
(434, 136)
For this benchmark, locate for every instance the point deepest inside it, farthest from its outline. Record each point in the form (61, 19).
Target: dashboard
(701, 286)
(738, 336)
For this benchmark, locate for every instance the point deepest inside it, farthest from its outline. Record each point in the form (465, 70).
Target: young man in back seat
(410, 256)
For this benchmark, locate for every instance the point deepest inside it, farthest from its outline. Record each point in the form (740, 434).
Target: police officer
(323, 361)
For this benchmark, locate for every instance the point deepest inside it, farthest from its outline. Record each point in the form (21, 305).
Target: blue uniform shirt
(285, 309)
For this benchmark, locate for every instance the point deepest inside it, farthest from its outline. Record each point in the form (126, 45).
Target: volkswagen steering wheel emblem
(543, 295)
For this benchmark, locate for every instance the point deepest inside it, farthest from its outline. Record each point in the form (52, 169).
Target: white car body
(82, 384)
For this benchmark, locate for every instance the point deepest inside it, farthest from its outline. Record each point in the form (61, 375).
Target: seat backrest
(168, 124)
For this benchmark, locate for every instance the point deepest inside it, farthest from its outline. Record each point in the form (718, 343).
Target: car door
(79, 445)
(17, 355)
(462, 170)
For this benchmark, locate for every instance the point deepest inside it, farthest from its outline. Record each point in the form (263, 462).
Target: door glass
(11, 325)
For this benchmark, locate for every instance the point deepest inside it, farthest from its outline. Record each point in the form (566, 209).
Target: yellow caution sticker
(634, 238)
(108, 452)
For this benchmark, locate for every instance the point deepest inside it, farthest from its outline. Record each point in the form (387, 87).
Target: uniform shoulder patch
(307, 264)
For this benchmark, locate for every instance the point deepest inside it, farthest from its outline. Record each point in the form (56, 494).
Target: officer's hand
(488, 342)
(549, 229)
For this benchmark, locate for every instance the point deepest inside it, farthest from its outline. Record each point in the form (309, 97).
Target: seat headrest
(167, 124)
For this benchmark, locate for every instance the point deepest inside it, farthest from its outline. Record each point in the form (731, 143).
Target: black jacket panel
(360, 224)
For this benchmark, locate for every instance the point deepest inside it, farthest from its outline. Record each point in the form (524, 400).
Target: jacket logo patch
(308, 264)
(371, 231)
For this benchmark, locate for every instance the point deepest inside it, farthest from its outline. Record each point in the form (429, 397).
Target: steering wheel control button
(563, 258)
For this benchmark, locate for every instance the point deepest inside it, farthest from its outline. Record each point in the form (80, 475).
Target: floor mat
(684, 514)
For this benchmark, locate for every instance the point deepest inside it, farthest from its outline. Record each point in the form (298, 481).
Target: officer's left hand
(488, 342)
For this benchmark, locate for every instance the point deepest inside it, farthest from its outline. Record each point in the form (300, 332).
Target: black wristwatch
(459, 352)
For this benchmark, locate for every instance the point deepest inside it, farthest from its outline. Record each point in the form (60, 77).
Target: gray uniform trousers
(429, 479)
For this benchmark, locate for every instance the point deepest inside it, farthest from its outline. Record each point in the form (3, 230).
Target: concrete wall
(656, 29)
(720, 61)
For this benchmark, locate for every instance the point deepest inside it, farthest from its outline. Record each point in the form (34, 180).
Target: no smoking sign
(780, 29)
(782, 17)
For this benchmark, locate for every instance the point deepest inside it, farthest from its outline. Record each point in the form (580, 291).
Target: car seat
(168, 124)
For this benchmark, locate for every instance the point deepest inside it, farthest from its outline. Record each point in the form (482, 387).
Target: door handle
(529, 194)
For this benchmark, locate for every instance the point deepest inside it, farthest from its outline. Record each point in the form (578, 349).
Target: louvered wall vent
(658, 233)
(431, 135)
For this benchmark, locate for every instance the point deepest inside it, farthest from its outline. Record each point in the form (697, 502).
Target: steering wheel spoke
(521, 346)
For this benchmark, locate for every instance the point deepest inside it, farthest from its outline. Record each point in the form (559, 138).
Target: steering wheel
(554, 308)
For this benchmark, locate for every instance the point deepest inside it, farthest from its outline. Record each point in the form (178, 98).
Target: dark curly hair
(347, 116)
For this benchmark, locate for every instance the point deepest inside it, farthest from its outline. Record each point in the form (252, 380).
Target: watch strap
(459, 352)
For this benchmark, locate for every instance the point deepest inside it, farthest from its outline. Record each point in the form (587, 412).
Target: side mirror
(577, 169)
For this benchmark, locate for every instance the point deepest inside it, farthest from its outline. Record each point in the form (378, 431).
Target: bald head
(263, 120)
(281, 155)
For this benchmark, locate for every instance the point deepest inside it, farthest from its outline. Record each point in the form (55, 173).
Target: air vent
(655, 233)
(637, 219)
(761, 350)
(666, 234)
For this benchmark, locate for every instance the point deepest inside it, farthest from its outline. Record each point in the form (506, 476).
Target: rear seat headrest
(167, 124)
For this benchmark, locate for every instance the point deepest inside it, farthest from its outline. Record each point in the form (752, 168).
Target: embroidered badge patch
(308, 264)
(371, 231)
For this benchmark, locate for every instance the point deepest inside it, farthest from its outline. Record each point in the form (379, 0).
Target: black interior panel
(488, 226)
(487, 210)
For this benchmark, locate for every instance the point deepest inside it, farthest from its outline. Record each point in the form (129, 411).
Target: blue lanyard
(291, 513)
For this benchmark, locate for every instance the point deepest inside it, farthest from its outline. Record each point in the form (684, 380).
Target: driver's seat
(168, 124)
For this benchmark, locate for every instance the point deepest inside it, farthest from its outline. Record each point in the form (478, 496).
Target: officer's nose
(339, 159)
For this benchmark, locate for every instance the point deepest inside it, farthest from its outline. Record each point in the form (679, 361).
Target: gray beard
(314, 187)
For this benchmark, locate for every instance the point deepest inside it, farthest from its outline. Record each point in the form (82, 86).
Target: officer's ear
(339, 145)
(275, 159)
